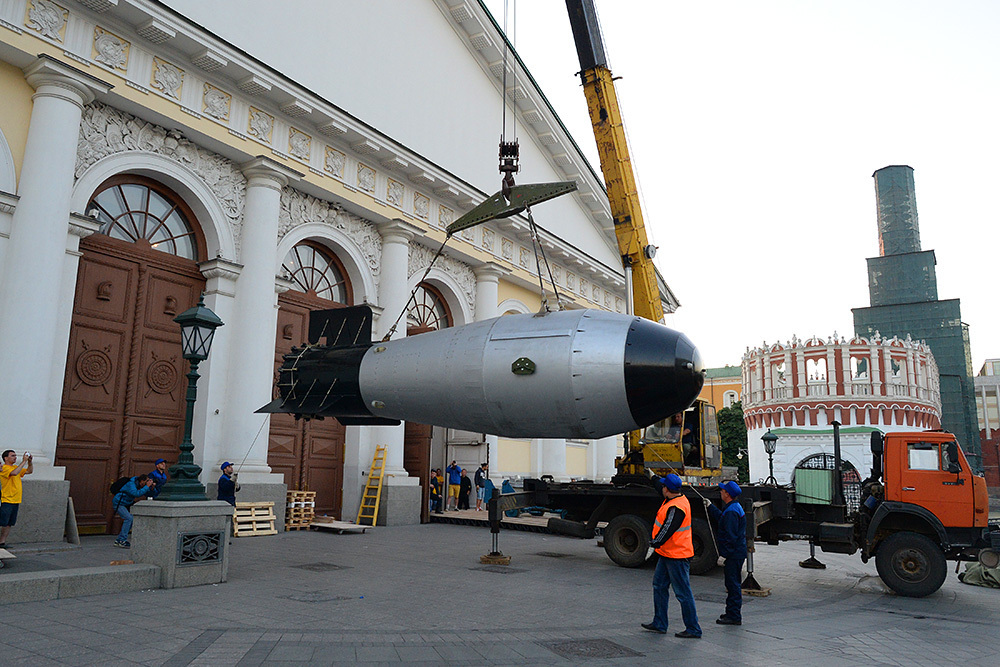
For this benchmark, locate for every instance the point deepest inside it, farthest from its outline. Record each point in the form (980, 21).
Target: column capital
(82, 226)
(283, 284)
(397, 230)
(263, 171)
(53, 78)
(221, 268)
(489, 272)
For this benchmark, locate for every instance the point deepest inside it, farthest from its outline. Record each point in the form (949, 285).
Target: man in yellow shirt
(10, 490)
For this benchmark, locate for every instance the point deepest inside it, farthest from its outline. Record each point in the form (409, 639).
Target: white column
(800, 362)
(33, 267)
(831, 370)
(252, 331)
(551, 457)
(392, 296)
(208, 429)
(80, 227)
(487, 299)
(606, 449)
(874, 373)
(488, 289)
(911, 383)
(845, 370)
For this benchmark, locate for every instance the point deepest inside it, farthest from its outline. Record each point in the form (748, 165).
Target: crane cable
(513, 40)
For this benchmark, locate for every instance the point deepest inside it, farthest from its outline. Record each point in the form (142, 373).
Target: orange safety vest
(679, 545)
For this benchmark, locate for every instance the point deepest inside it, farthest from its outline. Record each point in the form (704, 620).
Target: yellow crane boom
(616, 165)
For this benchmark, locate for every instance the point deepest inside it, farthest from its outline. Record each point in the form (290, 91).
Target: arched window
(140, 210)
(427, 310)
(729, 398)
(317, 272)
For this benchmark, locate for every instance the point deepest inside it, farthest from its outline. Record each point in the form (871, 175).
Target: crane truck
(921, 505)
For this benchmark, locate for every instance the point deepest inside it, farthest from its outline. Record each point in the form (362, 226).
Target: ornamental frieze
(47, 18)
(420, 258)
(299, 209)
(105, 131)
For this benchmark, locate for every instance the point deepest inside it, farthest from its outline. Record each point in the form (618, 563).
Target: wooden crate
(300, 510)
(253, 519)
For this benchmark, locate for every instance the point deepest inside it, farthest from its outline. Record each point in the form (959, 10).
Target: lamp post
(770, 445)
(198, 327)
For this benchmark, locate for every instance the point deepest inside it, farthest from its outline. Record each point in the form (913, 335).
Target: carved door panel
(123, 403)
(417, 460)
(154, 413)
(309, 454)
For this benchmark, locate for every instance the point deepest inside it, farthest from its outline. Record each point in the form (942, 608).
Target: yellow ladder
(373, 488)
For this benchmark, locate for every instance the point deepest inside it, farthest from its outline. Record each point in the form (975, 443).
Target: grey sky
(755, 128)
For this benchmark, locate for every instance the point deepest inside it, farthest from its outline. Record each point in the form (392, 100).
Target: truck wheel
(706, 557)
(626, 540)
(911, 564)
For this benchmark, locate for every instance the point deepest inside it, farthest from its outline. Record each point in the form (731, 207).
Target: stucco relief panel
(333, 162)
(105, 131)
(298, 208)
(167, 78)
(420, 258)
(394, 192)
(446, 216)
(299, 144)
(47, 19)
(421, 205)
(216, 103)
(110, 50)
(260, 125)
(366, 178)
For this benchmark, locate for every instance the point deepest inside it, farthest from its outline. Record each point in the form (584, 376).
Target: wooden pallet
(300, 510)
(254, 519)
(329, 523)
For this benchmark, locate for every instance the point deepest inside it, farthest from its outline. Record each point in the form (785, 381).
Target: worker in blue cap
(227, 484)
(672, 541)
(731, 538)
(159, 476)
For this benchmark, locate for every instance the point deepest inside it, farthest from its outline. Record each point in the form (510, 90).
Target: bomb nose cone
(663, 371)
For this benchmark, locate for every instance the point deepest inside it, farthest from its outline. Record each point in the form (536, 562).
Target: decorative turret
(799, 388)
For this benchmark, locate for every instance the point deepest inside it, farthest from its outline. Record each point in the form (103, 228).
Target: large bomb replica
(567, 374)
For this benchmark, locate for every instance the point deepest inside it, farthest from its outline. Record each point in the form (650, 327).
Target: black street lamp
(770, 445)
(198, 327)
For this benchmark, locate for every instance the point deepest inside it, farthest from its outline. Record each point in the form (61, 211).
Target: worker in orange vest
(672, 541)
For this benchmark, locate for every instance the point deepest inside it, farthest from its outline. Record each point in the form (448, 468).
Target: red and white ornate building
(798, 389)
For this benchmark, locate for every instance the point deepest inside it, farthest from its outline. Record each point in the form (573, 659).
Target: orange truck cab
(922, 505)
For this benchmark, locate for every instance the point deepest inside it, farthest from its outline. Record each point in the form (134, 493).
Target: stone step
(76, 582)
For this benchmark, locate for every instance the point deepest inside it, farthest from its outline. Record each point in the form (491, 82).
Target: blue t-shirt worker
(159, 476)
(227, 484)
(731, 537)
(454, 484)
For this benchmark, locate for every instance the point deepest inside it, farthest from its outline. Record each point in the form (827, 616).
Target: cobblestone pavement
(419, 594)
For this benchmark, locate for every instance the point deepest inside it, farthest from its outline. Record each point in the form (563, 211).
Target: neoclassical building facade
(154, 151)
(799, 388)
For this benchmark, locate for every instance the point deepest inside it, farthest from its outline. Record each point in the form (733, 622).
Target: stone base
(77, 582)
(164, 534)
(42, 515)
(399, 505)
(259, 493)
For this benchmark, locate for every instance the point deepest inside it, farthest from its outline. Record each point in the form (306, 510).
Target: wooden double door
(310, 454)
(125, 381)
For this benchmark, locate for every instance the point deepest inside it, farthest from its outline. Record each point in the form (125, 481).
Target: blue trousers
(126, 515)
(676, 573)
(734, 594)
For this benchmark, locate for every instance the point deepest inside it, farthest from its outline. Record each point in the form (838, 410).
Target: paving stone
(377, 654)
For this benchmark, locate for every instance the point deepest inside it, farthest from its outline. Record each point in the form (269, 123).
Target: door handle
(909, 488)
